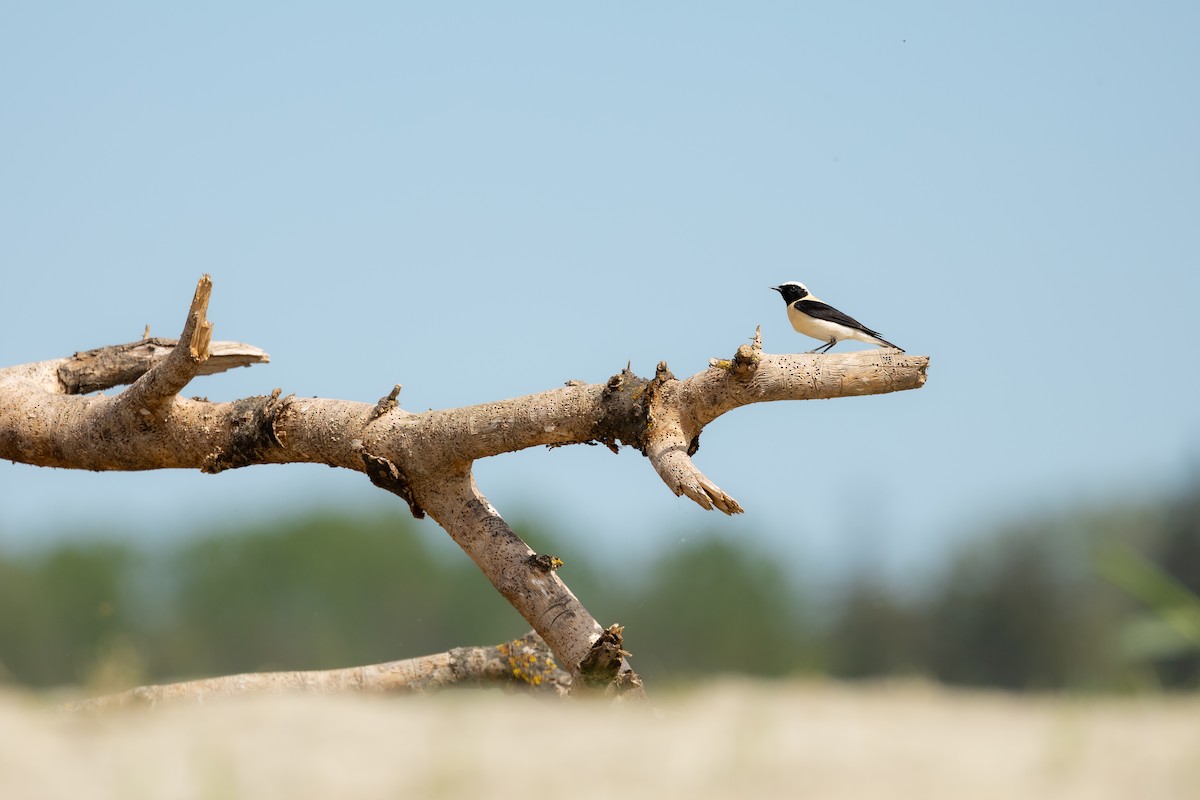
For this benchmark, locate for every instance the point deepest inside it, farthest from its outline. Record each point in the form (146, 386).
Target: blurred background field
(1102, 599)
(729, 738)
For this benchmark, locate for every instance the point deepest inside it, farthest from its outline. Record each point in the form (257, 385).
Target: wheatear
(811, 317)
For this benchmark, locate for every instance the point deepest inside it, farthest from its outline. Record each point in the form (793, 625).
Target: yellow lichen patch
(528, 665)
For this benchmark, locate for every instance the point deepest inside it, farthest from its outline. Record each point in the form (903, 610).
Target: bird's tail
(882, 342)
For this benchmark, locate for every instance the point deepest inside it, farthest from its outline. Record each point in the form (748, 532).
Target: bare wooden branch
(517, 572)
(425, 458)
(524, 664)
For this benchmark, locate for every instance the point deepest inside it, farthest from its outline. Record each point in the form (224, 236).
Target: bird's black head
(791, 291)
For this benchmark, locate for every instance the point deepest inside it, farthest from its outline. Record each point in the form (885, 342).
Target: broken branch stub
(165, 379)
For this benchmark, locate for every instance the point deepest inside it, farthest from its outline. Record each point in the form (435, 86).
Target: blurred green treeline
(1103, 599)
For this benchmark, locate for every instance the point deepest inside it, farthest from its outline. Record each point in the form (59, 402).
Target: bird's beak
(778, 289)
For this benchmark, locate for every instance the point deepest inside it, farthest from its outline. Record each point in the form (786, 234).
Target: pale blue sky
(485, 200)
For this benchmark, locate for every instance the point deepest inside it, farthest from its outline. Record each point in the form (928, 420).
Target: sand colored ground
(725, 740)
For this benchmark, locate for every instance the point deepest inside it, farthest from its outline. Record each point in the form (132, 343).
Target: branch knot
(625, 412)
(253, 433)
(545, 563)
(599, 668)
(386, 404)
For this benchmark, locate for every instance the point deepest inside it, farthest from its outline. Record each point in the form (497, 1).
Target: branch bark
(425, 458)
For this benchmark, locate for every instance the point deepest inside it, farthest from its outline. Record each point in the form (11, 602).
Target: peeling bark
(47, 419)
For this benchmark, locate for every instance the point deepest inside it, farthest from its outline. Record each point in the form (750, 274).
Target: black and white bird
(811, 317)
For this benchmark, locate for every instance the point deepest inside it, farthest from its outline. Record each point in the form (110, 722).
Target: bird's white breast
(817, 328)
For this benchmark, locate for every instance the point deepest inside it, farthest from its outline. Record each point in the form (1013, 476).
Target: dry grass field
(722, 740)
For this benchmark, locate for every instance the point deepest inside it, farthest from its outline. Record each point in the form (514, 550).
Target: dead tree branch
(46, 419)
(524, 664)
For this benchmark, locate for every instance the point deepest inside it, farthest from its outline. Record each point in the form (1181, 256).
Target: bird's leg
(825, 347)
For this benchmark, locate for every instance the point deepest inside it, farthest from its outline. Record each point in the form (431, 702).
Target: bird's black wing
(824, 311)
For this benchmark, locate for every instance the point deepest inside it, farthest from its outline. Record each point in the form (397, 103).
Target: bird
(811, 317)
